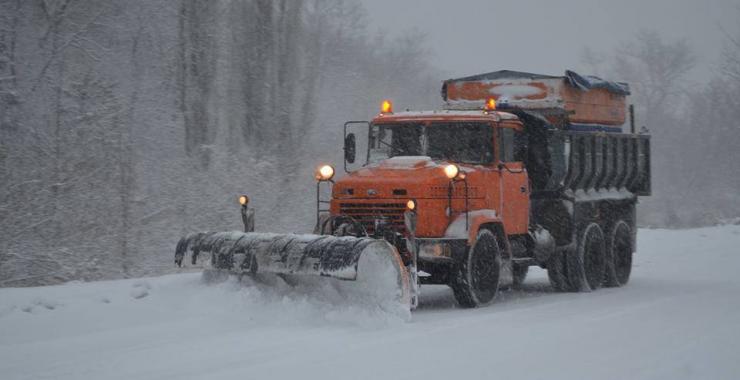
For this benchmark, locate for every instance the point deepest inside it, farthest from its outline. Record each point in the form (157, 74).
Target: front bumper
(440, 250)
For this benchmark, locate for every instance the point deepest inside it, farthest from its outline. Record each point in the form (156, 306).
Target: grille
(367, 213)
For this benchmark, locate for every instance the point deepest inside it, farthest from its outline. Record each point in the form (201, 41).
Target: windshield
(457, 141)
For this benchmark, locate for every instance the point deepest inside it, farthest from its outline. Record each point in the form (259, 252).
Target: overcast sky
(547, 36)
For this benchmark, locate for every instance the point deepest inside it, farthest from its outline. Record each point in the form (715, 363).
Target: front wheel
(476, 280)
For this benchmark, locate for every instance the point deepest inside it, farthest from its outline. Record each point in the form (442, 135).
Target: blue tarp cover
(587, 82)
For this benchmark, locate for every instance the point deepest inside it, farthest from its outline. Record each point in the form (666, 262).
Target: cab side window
(512, 145)
(506, 144)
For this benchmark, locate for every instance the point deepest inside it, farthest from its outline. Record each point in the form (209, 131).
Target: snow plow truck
(516, 170)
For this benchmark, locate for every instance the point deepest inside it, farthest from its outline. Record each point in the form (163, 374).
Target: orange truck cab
(472, 197)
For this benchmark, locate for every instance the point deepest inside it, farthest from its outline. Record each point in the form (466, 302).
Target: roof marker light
(490, 104)
(386, 107)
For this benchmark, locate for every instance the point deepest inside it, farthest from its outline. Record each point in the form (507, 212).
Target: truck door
(514, 190)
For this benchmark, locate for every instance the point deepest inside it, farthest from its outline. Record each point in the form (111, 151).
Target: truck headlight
(434, 250)
(451, 171)
(324, 173)
(411, 205)
(243, 200)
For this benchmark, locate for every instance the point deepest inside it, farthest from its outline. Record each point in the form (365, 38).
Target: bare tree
(730, 59)
(657, 72)
(195, 75)
(655, 69)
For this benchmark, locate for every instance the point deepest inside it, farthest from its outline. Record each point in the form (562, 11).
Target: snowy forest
(124, 125)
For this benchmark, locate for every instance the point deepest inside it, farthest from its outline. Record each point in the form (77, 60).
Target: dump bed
(560, 161)
(598, 161)
(571, 101)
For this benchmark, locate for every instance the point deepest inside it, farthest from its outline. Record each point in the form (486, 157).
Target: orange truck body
(387, 183)
(558, 171)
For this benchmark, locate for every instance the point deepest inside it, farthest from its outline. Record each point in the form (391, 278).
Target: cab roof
(444, 115)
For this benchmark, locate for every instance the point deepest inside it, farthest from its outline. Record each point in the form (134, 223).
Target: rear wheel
(586, 265)
(477, 279)
(619, 255)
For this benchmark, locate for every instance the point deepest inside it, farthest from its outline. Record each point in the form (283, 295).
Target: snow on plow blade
(372, 265)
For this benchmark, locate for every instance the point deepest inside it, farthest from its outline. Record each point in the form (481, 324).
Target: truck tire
(586, 265)
(476, 280)
(619, 255)
(556, 271)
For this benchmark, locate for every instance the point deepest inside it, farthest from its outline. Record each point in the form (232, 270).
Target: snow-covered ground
(679, 318)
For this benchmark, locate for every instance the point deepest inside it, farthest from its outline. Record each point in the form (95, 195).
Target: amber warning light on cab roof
(386, 107)
(490, 104)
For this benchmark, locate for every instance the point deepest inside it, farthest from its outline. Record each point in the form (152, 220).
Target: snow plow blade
(373, 264)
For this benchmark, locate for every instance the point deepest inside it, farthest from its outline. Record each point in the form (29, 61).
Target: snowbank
(679, 318)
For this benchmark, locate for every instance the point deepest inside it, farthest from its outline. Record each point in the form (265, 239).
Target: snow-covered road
(679, 318)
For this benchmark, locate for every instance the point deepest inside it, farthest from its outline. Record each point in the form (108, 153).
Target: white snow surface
(678, 318)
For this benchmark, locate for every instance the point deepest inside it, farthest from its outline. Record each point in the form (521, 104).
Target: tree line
(694, 124)
(124, 125)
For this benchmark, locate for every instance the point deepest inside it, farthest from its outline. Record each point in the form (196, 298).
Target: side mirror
(350, 148)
